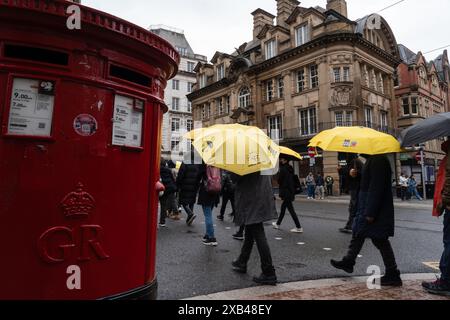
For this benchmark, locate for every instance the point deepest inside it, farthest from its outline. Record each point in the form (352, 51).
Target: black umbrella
(437, 126)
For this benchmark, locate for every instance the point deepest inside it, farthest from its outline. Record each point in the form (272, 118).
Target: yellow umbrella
(290, 152)
(356, 140)
(236, 148)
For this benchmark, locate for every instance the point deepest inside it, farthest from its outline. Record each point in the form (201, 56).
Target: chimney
(260, 19)
(284, 10)
(339, 6)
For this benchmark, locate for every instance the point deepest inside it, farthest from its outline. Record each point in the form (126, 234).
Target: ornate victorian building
(305, 70)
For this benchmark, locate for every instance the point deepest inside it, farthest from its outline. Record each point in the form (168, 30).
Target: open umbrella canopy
(236, 148)
(290, 153)
(356, 140)
(437, 126)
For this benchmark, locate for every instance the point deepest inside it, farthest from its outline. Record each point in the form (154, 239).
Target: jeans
(320, 191)
(415, 193)
(311, 190)
(207, 211)
(352, 209)
(383, 245)
(288, 205)
(189, 208)
(445, 259)
(225, 198)
(255, 233)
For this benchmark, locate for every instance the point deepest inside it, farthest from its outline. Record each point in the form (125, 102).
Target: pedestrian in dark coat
(374, 219)
(354, 183)
(188, 182)
(228, 188)
(167, 198)
(255, 205)
(286, 182)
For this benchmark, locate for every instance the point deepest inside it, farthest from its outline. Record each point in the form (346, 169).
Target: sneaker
(162, 225)
(266, 280)
(391, 279)
(346, 230)
(220, 218)
(190, 219)
(342, 265)
(438, 287)
(238, 236)
(275, 226)
(239, 268)
(205, 238)
(210, 242)
(297, 230)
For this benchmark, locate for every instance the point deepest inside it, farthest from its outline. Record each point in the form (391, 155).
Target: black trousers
(329, 190)
(189, 208)
(255, 233)
(225, 198)
(289, 206)
(383, 245)
(353, 208)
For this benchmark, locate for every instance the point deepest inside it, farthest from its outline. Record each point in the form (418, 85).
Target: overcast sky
(222, 25)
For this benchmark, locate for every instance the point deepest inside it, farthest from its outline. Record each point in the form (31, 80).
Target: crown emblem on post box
(78, 203)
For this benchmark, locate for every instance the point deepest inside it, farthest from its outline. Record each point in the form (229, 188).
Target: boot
(345, 265)
(391, 279)
(266, 280)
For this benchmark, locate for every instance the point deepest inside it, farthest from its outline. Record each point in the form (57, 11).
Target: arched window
(244, 97)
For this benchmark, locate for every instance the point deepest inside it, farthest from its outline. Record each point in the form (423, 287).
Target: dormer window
(202, 80)
(301, 35)
(271, 49)
(220, 72)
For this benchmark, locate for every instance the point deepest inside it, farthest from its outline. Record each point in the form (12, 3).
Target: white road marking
(278, 239)
(301, 243)
(327, 249)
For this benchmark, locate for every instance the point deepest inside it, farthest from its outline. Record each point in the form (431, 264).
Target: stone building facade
(421, 91)
(178, 120)
(304, 71)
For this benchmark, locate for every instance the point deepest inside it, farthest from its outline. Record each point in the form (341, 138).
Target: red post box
(81, 112)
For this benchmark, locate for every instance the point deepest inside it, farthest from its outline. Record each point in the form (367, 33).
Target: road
(187, 268)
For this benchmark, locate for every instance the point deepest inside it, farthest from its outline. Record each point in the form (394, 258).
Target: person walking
(320, 187)
(329, 182)
(311, 186)
(208, 198)
(412, 186)
(354, 183)
(255, 205)
(442, 207)
(403, 181)
(166, 199)
(286, 182)
(374, 219)
(188, 183)
(228, 188)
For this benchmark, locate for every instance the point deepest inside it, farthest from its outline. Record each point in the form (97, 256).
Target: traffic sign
(419, 156)
(312, 152)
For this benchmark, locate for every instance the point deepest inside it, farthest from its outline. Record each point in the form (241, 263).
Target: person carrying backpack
(228, 187)
(208, 198)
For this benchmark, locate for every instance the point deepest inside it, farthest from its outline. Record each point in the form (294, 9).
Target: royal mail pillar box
(81, 112)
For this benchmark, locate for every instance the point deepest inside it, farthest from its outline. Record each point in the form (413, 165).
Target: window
(301, 85)
(346, 74)
(220, 109)
(337, 74)
(202, 80)
(349, 118)
(280, 87)
(182, 51)
(405, 106)
(189, 125)
(308, 122)
(271, 49)
(339, 119)
(383, 121)
(175, 104)
(175, 144)
(301, 35)
(227, 105)
(189, 107)
(269, 90)
(368, 115)
(275, 126)
(176, 84)
(190, 87)
(190, 66)
(220, 72)
(176, 124)
(414, 105)
(206, 111)
(314, 76)
(244, 98)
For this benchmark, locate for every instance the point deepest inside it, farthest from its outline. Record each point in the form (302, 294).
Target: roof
(176, 39)
(407, 55)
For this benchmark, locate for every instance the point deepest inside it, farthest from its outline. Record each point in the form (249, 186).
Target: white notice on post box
(31, 111)
(127, 128)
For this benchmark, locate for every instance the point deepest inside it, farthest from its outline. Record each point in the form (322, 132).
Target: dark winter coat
(254, 200)
(286, 182)
(168, 180)
(354, 182)
(375, 200)
(205, 198)
(229, 180)
(188, 182)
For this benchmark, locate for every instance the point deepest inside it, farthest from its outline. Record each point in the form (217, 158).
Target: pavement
(354, 288)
